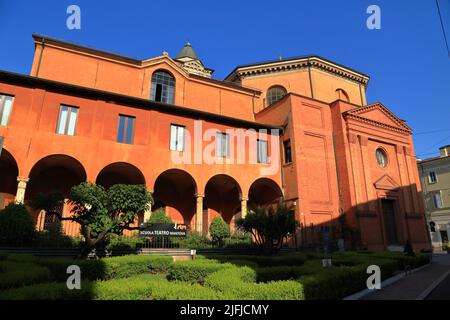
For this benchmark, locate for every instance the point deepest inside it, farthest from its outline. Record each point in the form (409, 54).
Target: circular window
(381, 158)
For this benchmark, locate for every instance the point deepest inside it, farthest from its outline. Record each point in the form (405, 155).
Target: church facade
(296, 130)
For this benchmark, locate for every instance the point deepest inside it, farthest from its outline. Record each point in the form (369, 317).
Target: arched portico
(223, 197)
(9, 172)
(56, 172)
(119, 173)
(263, 192)
(175, 190)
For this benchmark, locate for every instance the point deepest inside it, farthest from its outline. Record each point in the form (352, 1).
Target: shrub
(193, 240)
(125, 266)
(239, 240)
(16, 225)
(165, 290)
(238, 283)
(269, 226)
(132, 288)
(124, 242)
(47, 291)
(219, 231)
(338, 282)
(159, 216)
(107, 268)
(16, 274)
(194, 271)
(54, 237)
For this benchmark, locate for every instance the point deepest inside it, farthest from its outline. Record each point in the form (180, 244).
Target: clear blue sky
(407, 59)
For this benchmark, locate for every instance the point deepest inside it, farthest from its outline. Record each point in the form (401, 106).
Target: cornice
(295, 64)
(377, 123)
(357, 113)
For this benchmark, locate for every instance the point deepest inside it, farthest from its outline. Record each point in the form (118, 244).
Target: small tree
(269, 226)
(219, 231)
(16, 225)
(100, 212)
(159, 216)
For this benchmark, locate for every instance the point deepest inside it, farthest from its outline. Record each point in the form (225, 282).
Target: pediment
(386, 183)
(378, 114)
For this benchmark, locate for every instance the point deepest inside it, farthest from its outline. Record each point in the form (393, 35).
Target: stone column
(21, 187)
(199, 214)
(243, 207)
(148, 212)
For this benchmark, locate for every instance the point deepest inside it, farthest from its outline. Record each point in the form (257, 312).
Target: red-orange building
(297, 130)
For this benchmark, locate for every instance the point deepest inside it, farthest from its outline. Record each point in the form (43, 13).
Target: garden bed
(292, 276)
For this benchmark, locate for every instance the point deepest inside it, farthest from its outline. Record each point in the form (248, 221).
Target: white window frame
(222, 145)
(65, 127)
(434, 194)
(430, 181)
(261, 156)
(177, 137)
(5, 114)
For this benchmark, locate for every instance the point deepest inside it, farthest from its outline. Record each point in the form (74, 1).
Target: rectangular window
(287, 151)
(6, 103)
(432, 177)
(222, 145)
(437, 200)
(177, 137)
(125, 132)
(262, 151)
(67, 120)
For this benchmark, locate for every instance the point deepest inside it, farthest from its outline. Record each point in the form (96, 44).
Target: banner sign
(162, 230)
(1, 144)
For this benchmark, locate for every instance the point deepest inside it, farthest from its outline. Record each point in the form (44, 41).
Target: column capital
(23, 179)
(244, 199)
(199, 195)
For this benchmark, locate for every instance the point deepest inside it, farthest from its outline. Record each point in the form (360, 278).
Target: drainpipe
(310, 80)
(40, 57)
(281, 162)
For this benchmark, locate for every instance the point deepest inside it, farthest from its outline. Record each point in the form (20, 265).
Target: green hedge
(102, 269)
(290, 259)
(16, 274)
(239, 283)
(194, 271)
(339, 282)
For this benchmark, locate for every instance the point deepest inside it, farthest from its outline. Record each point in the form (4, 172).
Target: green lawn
(294, 276)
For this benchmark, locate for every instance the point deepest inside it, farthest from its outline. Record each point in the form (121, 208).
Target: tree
(219, 230)
(100, 212)
(269, 226)
(16, 225)
(159, 216)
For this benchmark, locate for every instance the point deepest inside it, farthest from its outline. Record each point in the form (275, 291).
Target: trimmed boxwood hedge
(16, 274)
(243, 277)
(195, 271)
(239, 283)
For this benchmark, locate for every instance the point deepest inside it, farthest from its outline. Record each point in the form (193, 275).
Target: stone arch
(119, 173)
(57, 172)
(223, 196)
(9, 172)
(263, 192)
(175, 191)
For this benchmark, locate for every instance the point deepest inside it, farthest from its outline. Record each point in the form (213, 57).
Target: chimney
(445, 151)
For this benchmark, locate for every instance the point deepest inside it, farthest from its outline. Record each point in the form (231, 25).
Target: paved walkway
(416, 285)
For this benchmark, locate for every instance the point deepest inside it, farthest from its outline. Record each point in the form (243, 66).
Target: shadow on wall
(385, 223)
